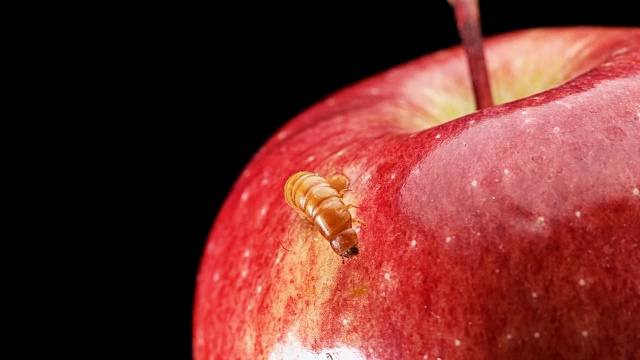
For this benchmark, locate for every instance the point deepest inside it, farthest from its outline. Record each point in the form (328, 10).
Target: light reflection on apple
(292, 349)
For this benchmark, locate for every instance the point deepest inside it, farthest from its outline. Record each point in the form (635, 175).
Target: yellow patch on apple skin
(359, 291)
(308, 276)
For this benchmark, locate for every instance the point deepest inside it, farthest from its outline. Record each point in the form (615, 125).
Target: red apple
(512, 232)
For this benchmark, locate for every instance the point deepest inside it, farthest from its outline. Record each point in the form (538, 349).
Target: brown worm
(320, 202)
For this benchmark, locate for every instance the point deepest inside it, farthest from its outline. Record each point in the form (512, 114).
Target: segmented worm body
(320, 201)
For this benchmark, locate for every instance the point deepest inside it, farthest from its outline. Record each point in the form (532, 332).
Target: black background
(210, 84)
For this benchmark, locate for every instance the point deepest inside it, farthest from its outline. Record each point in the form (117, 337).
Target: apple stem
(467, 14)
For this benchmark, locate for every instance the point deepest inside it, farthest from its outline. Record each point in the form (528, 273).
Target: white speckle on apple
(358, 229)
(506, 171)
(264, 181)
(534, 295)
(414, 243)
(620, 51)
(345, 322)
(438, 136)
(448, 240)
(556, 130)
(340, 153)
(216, 277)
(426, 356)
(585, 333)
(436, 316)
(509, 337)
(578, 214)
(524, 112)
(244, 273)
(263, 211)
(387, 276)
(457, 342)
(246, 253)
(527, 120)
(367, 177)
(540, 220)
(310, 158)
(248, 308)
(536, 335)
(282, 134)
(330, 102)
(565, 104)
(278, 260)
(244, 196)
(259, 289)
(581, 282)
(472, 122)
(636, 192)
(393, 176)
(474, 183)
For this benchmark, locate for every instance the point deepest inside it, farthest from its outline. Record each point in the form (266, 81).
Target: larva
(320, 202)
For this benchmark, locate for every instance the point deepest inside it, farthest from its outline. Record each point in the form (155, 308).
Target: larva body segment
(321, 203)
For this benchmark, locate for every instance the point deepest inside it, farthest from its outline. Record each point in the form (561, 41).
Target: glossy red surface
(511, 232)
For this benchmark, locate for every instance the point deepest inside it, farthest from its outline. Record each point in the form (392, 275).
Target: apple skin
(508, 233)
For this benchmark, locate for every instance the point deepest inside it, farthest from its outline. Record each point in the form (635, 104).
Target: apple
(510, 232)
